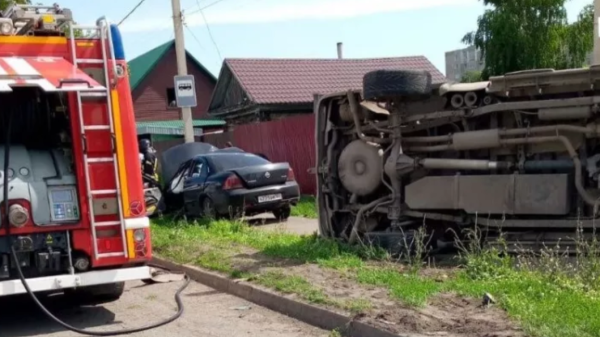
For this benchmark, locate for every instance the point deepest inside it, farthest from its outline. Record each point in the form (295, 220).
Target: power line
(152, 35)
(196, 39)
(210, 32)
(131, 12)
(205, 7)
(194, 36)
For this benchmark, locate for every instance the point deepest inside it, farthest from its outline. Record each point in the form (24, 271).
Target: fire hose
(180, 307)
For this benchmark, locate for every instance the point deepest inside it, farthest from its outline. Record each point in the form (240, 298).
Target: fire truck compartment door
(51, 74)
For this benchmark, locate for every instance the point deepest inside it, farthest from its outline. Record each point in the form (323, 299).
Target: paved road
(208, 313)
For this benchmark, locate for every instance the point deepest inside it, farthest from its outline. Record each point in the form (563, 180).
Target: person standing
(149, 162)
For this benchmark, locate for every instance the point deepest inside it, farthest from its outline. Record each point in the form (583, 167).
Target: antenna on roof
(339, 50)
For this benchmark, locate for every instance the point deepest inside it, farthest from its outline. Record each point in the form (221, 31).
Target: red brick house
(151, 78)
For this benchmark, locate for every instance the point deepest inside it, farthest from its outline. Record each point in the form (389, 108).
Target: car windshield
(231, 161)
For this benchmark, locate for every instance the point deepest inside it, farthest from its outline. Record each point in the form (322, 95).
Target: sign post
(185, 91)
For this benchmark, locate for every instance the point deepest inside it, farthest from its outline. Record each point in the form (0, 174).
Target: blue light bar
(117, 42)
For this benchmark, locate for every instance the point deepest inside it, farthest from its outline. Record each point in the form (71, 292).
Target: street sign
(185, 91)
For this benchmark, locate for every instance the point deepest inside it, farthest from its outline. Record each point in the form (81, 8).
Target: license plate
(269, 197)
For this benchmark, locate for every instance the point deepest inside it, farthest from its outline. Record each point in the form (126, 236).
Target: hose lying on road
(6, 190)
(180, 309)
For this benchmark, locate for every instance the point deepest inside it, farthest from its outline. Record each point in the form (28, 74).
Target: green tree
(528, 34)
(6, 3)
(579, 37)
(471, 76)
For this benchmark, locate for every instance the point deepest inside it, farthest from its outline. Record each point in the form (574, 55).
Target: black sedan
(231, 183)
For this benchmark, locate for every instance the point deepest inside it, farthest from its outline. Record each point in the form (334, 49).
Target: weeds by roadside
(546, 298)
(545, 291)
(306, 207)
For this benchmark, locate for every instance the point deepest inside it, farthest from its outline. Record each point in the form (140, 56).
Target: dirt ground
(296, 225)
(444, 315)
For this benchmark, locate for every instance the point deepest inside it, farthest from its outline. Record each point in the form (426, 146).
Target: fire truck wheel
(381, 85)
(95, 295)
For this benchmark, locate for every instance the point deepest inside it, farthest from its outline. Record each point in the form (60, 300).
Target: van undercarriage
(517, 155)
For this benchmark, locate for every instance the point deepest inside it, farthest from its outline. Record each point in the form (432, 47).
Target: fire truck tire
(388, 84)
(95, 295)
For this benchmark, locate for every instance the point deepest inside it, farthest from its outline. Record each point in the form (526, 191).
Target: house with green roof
(151, 79)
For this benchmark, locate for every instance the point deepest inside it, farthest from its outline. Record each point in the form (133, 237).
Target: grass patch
(306, 207)
(546, 301)
(407, 287)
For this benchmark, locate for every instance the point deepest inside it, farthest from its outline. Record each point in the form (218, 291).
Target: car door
(194, 185)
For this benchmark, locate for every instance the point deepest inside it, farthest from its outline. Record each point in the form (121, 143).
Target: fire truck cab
(76, 216)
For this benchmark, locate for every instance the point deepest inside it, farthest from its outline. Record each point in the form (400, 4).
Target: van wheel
(381, 85)
(95, 295)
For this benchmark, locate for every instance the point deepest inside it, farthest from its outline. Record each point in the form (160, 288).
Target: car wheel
(208, 208)
(283, 213)
(381, 85)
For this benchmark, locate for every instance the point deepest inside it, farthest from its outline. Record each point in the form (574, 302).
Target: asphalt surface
(208, 313)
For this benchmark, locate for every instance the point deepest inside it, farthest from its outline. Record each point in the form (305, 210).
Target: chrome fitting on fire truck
(6, 26)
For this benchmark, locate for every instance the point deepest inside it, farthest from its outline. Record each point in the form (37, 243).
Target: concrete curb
(307, 313)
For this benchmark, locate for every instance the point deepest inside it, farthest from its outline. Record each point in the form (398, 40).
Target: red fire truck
(72, 201)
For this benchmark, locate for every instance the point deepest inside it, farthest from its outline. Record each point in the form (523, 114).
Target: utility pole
(596, 58)
(186, 113)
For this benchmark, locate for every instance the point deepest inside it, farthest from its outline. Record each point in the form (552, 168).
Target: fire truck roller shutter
(51, 74)
(45, 182)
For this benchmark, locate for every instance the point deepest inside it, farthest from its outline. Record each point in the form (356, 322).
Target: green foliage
(5, 3)
(471, 76)
(580, 38)
(531, 34)
(306, 207)
(78, 33)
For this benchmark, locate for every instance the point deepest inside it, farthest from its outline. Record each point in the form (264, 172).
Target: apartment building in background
(459, 61)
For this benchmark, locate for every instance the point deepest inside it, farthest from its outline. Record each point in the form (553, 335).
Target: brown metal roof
(269, 81)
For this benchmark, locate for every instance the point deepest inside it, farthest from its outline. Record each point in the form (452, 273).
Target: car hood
(171, 159)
